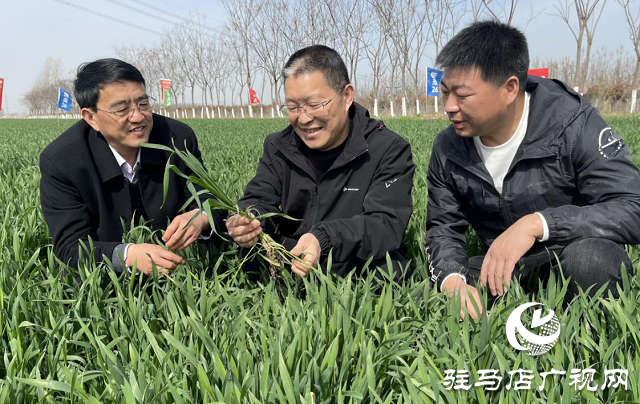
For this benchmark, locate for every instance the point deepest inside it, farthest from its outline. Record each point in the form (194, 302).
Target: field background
(208, 334)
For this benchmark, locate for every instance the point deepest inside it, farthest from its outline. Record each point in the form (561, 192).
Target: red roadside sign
(1, 86)
(166, 92)
(543, 72)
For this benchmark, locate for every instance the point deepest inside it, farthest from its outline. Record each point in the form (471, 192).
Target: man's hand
(244, 231)
(179, 237)
(308, 249)
(506, 250)
(456, 285)
(144, 254)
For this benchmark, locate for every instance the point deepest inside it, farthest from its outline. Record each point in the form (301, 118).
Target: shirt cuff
(206, 237)
(545, 228)
(449, 276)
(121, 250)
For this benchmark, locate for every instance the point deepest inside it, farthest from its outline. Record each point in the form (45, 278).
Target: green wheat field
(208, 334)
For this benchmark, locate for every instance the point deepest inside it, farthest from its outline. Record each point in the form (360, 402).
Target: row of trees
(383, 43)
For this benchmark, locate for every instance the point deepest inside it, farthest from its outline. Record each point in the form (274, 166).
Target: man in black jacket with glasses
(345, 175)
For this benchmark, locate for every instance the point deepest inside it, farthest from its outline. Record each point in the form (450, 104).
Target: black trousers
(589, 261)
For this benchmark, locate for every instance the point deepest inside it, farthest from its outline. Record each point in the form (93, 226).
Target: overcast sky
(33, 30)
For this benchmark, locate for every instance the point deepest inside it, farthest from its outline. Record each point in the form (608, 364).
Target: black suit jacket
(83, 193)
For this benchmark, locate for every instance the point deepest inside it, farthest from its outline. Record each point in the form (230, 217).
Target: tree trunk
(585, 66)
(636, 72)
(576, 73)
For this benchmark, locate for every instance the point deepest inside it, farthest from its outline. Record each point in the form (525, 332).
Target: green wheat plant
(211, 334)
(266, 248)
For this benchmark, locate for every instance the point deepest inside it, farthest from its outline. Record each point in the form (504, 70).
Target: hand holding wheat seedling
(267, 248)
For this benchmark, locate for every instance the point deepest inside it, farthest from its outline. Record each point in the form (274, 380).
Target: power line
(159, 10)
(107, 17)
(151, 6)
(145, 12)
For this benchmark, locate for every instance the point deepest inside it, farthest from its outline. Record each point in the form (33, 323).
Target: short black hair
(94, 76)
(498, 50)
(318, 58)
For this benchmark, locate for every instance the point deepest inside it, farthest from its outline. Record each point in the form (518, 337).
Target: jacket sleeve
(387, 208)
(608, 183)
(218, 215)
(446, 225)
(68, 218)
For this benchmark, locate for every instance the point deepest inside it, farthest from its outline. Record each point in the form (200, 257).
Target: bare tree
(501, 10)
(444, 19)
(592, 15)
(404, 25)
(374, 48)
(43, 96)
(242, 15)
(349, 18)
(268, 46)
(632, 13)
(584, 13)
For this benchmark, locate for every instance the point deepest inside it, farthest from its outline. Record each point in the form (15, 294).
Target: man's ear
(89, 116)
(348, 94)
(512, 88)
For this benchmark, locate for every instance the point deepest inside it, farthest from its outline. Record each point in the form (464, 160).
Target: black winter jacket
(571, 167)
(360, 207)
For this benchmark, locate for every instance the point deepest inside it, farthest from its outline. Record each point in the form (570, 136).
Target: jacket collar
(105, 161)
(553, 107)
(361, 125)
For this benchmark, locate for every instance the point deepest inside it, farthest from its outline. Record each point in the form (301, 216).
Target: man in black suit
(96, 175)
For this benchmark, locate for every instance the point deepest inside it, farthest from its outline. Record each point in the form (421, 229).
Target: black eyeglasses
(125, 111)
(308, 108)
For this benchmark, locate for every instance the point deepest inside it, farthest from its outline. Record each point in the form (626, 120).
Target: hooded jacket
(571, 167)
(359, 208)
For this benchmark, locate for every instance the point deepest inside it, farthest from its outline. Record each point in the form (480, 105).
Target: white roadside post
(634, 95)
(242, 112)
(375, 107)
(391, 105)
(404, 105)
(233, 113)
(417, 106)
(272, 113)
(261, 112)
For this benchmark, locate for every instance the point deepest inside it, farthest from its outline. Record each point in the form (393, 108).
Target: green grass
(210, 335)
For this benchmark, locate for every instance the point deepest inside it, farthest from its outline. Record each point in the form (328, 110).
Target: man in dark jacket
(96, 174)
(346, 176)
(531, 166)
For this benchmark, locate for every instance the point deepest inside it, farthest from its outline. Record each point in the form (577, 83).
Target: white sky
(33, 30)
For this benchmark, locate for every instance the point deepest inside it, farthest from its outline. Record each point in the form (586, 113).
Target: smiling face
(327, 127)
(478, 108)
(124, 134)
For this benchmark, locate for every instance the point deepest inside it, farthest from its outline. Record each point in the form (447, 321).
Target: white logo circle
(535, 343)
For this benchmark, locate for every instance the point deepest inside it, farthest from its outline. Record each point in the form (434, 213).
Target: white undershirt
(498, 159)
